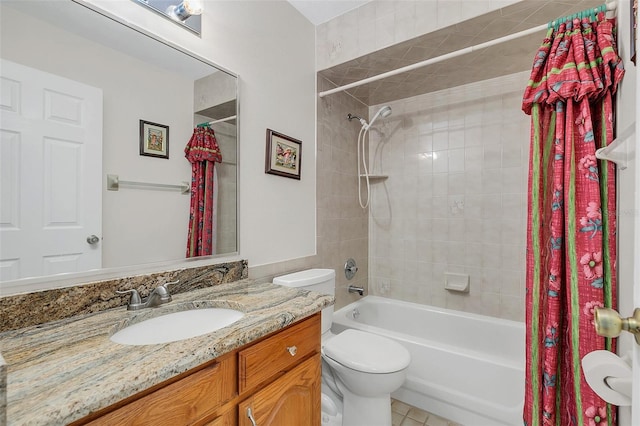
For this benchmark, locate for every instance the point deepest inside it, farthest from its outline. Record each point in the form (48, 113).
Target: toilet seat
(367, 352)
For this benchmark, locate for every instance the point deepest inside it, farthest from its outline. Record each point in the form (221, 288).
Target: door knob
(92, 239)
(609, 323)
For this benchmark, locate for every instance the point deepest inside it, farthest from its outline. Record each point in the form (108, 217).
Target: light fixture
(184, 10)
(186, 13)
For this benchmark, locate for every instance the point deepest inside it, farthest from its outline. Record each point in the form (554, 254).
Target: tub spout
(355, 289)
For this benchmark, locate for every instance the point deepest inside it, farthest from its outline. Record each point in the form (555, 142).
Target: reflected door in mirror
(51, 142)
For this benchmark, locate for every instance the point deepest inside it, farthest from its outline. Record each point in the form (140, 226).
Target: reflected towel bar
(114, 182)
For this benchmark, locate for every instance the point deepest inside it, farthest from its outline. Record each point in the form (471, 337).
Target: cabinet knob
(250, 416)
(293, 350)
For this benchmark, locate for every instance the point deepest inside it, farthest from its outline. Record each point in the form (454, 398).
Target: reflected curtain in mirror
(202, 152)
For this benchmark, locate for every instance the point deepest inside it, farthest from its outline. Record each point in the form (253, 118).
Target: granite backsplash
(39, 307)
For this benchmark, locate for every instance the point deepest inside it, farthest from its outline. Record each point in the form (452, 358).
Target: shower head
(362, 120)
(383, 112)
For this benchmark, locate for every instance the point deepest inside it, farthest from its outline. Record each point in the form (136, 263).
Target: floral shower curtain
(203, 152)
(571, 250)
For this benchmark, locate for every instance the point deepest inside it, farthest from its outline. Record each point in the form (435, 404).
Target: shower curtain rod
(610, 7)
(209, 123)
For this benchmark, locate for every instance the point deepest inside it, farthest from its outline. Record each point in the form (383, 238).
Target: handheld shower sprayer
(383, 112)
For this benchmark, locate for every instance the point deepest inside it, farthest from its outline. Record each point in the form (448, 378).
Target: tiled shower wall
(342, 225)
(227, 239)
(455, 199)
(382, 23)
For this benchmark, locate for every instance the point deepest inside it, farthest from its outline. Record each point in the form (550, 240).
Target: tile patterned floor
(406, 415)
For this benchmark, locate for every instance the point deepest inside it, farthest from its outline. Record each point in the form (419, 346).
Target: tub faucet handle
(350, 269)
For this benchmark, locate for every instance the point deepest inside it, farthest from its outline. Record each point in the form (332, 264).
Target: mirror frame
(31, 284)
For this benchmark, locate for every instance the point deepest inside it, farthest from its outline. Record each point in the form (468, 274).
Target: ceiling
(321, 11)
(502, 59)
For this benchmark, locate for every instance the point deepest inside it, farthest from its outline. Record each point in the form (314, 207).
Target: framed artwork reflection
(154, 139)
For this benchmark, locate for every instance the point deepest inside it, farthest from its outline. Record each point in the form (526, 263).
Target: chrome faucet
(159, 296)
(355, 289)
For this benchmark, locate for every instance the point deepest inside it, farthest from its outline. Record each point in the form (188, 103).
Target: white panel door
(50, 178)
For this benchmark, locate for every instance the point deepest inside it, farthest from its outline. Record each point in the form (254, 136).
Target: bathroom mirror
(131, 79)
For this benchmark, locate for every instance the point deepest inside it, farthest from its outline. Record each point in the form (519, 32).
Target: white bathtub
(465, 367)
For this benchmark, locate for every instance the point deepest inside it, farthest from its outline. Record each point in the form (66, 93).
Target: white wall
(271, 47)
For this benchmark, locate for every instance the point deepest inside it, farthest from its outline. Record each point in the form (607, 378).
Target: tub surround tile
(343, 226)
(63, 370)
(405, 32)
(470, 202)
(40, 307)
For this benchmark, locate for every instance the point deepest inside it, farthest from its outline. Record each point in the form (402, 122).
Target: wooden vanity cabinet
(293, 399)
(292, 357)
(277, 378)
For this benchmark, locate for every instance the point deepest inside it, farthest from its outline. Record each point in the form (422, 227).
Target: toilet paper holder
(609, 323)
(609, 376)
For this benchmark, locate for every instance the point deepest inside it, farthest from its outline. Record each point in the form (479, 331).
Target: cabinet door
(291, 400)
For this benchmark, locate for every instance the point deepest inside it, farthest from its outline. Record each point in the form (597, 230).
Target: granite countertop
(62, 371)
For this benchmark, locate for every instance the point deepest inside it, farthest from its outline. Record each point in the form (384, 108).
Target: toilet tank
(319, 280)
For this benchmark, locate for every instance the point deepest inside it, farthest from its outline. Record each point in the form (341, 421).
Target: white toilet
(359, 369)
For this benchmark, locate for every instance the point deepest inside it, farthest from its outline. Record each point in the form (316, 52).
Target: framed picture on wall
(283, 156)
(154, 139)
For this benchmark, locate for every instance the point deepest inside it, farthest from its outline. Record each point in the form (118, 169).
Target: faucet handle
(170, 283)
(165, 286)
(135, 296)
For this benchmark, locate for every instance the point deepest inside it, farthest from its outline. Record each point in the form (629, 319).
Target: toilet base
(331, 414)
(329, 420)
(370, 411)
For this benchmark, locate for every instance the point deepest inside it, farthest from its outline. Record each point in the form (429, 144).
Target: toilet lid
(367, 352)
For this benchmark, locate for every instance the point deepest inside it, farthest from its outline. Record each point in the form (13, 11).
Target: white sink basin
(176, 326)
